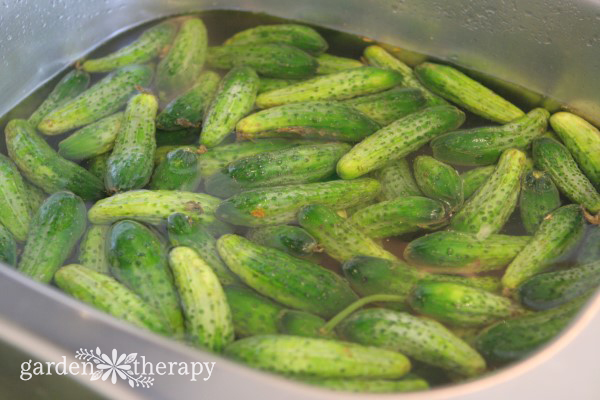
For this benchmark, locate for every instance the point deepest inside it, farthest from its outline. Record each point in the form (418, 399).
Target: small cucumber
(439, 181)
(207, 316)
(160, 154)
(138, 259)
(59, 223)
(131, 161)
(177, 137)
(386, 107)
(315, 357)
(15, 206)
(339, 86)
(339, 237)
(44, 167)
(97, 165)
(488, 209)
(399, 216)
(279, 205)
(301, 284)
(313, 120)
(474, 178)
(92, 249)
(268, 84)
(554, 158)
(288, 238)
(252, 313)
(558, 234)
(35, 196)
(330, 64)
(70, 86)
(8, 247)
(409, 383)
(300, 164)
(398, 139)
(539, 197)
(106, 294)
(274, 60)
(182, 64)
(396, 181)
(103, 99)
(179, 171)
(233, 99)
(484, 145)
(489, 284)
(146, 47)
(422, 339)
(301, 323)
(589, 250)
(300, 36)
(453, 85)
(92, 140)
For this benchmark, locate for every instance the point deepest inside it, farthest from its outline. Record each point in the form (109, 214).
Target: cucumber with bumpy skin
(252, 313)
(386, 107)
(92, 249)
(330, 64)
(268, 84)
(301, 323)
(539, 197)
(396, 181)
(179, 171)
(439, 181)
(589, 251)
(300, 36)
(15, 209)
(97, 165)
(92, 140)
(473, 179)
(289, 238)
(409, 383)
(35, 196)
(8, 247)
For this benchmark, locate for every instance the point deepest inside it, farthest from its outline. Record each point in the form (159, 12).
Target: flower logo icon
(113, 367)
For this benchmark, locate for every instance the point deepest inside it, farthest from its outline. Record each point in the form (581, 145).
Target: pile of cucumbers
(197, 191)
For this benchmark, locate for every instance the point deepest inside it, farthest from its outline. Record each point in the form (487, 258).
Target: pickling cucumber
(179, 171)
(539, 196)
(92, 249)
(474, 178)
(8, 247)
(97, 166)
(289, 238)
(92, 140)
(589, 250)
(439, 181)
(301, 323)
(268, 84)
(35, 196)
(386, 107)
(330, 64)
(300, 36)
(396, 181)
(15, 208)
(252, 313)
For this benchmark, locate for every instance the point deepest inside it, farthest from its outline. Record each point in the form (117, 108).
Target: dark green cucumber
(252, 313)
(268, 84)
(408, 383)
(396, 181)
(315, 357)
(589, 251)
(103, 99)
(554, 158)
(398, 139)
(59, 223)
(312, 119)
(419, 338)
(8, 247)
(439, 181)
(160, 154)
(300, 164)
(474, 178)
(453, 85)
(138, 259)
(289, 238)
(301, 284)
(330, 64)
(539, 196)
(399, 216)
(279, 205)
(386, 107)
(187, 110)
(301, 323)
(300, 36)
(106, 294)
(92, 140)
(15, 208)
(70, 86)
(275, 60)
(339, 237)
(179, 171)
(557, 235)
(339, 86)
(44, 167)
(233, 99)
(97, 165)
(92, 249)
(178, 137)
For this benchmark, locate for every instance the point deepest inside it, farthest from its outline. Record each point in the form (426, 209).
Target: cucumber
(396, 181)
(439, 181)
(267, 84)
(589, 250)
(279, 205)
(313, 119)
(419, 338)
(274, 60)
(106, 294)
(411, 58)
(70, 86)
(179, 171)
(97, 165)
(339, 86)
(35, 196)
(59, 223)
(330, 64)
(557, 235)
(386, 107)
(409, 383)
(491, 284)
(160, 154)
(398, 139)
(92, 140)
(339, 237)
(554, 158)
(484, 145)
(208, 321)
(130, 163)
(300, 36)
(461, 252)
(301, 284)
(488, 209)
(146, 47)
(252, 313)
(177, 137)
(399, 216)
(182, 64)
(138, 259)
(187, 110)
(288, 238)
(300, 164)
(314, 357)
(474, 178)
(15, 208)
(301, 323)
(8, 247)
(233, 99)
(103, 99)
(539, 197)
(40, 164)
(92, 249)
(453, 85)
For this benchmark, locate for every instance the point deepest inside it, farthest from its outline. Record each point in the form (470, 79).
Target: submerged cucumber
(179, 171)
(15, 208)
(300, 36)
(539, 196)
(301, 323)
(475, 178)
(439, 181)
(589, 251)
(92, 249)
(8, 247)
(252, 313)
(289, 238)
(386, 107)
(330, 64)
(396, 181)
(92, 140)
(268, 84)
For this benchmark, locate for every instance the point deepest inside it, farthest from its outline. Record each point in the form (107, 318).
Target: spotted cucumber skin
(589, 250)
(439, 181)
(560, 231)
(92, 249)
(299, 36)
(179, 171)
(409, 383)
(15, 206)
(398, 139)
(475, 178)
(91, 140)
(301, 323)
(268, 84)
(35, 195)
(330, 64)
(390, 105)
(8, 247)
(97, 165)
(253, 314)
(101, 100)
(539, 196)
(288, 238)
(396, 181)
(302, 285)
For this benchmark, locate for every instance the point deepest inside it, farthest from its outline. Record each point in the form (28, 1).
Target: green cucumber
(40, 164)
(396, 181)
(557, 235)
(301, 323)
(491, 284)
(330, 64)
(207, 316)
(35, 196)
(315, 357)
(59, 223)
(398, 139)
(178, 137)
(8, 247)
(439, 181)
(92, 249)
(301, 284)
(179, 171)
(409, 383)
(160, 154)
(268, 84)
(252, 313)
(15, 206)
(539, 197)
(288, 238)
(386, 107)
(92, 140)
(97, 165)
(300, 36)
(474, 178)
(103, 99)
(589, 250)
(484, 145)
(233, 99)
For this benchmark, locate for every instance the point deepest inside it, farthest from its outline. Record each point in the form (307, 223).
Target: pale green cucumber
(439, 181)
(15, 206)
(300, 36)
(386, 107)
(474, 178)
(92, 249)
(396, 181)
(8, 247)
(252, 313)
(92, 140)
